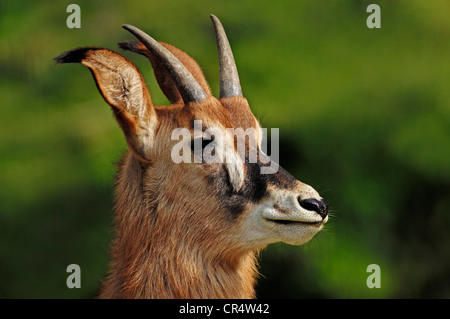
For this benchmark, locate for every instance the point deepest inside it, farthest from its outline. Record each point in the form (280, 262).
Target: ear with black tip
(122, 86)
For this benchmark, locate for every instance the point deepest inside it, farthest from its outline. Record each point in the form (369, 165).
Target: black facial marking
(203, 142)
(281, 179)
(255, 184)
(254, 188)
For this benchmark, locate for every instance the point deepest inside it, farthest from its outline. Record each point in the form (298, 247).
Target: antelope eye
(201, 141)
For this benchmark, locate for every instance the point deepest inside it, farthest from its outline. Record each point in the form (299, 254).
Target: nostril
(318, 206)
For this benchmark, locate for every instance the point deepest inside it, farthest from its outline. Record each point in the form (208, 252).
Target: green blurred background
(364, 117)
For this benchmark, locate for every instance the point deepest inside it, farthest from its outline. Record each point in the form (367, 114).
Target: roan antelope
(190, 230)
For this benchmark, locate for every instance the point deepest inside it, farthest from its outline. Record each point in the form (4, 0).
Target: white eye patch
(221, 150)
(234, 163)
(235, 170)
(216, 145)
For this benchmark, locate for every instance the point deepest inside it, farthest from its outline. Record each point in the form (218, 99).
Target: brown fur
(170, 246)
(181, 230)
(172, 240)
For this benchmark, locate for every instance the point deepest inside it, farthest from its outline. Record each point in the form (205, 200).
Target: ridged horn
(229, 77)
(188, 87)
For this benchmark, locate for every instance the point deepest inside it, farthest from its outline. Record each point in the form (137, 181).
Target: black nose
(319, 206)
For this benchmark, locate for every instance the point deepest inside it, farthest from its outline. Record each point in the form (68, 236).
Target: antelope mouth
(289, 222)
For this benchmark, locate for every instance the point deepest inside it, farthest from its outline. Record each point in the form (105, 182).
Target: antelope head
(225, 208)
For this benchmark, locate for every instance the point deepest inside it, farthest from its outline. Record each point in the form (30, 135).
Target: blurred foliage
(364, 117)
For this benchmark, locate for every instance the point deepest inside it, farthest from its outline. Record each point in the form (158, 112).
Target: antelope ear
(165, 81)
(122, 86)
